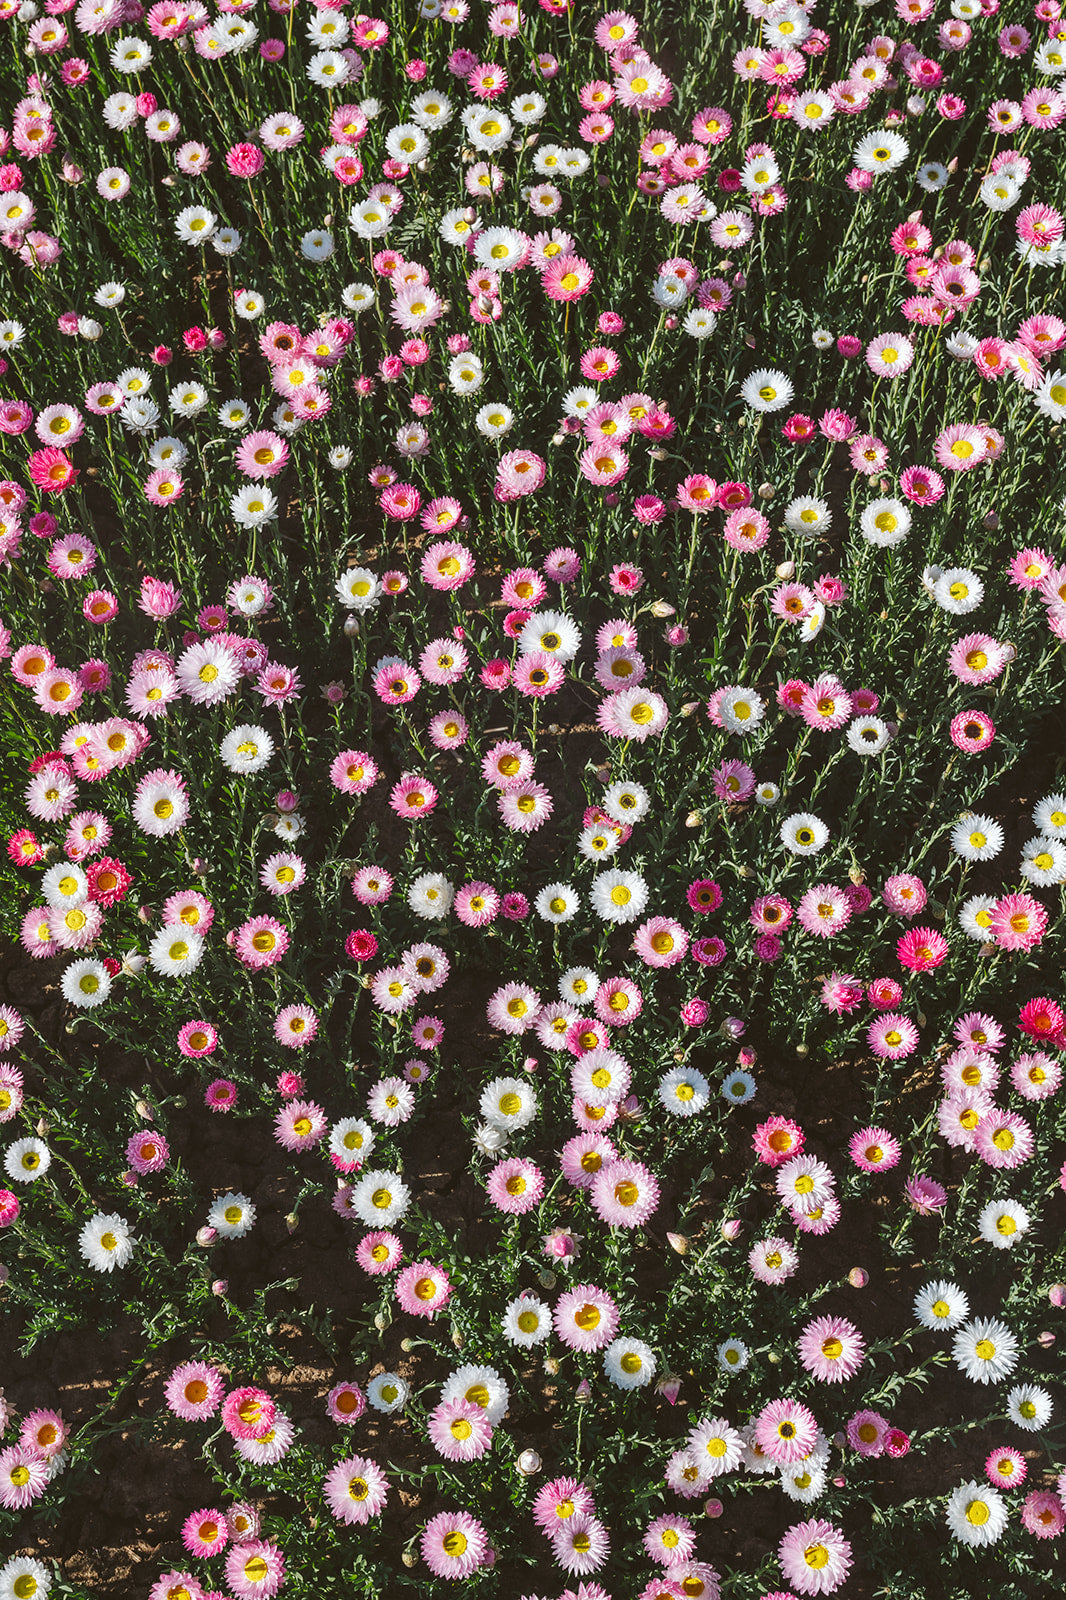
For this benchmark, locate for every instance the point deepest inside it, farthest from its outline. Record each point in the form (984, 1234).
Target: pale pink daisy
(585, 1318)
(866, 1433)
(1003, 1139)
(581, 1543)
(824, 910)
(660, 942)
(785, 1431)
(892, 1036)
(422, 1289)
(716, 1447)
(773, 1260)
(372, 886)
(558, 1500)
(147, 1152)
(261, 942)
(1017, 922)
(624, 1194)
(453, 1545)
(459, 1430)
(1036, 1077)
(391, 1102)
(300, 1125)
(815, 1557)
(355, 1490)
(255, 1570)
(295, 1026)
(525, 806)
(413, 797)
(515, 1186)
(904, 894)
(831, 1348)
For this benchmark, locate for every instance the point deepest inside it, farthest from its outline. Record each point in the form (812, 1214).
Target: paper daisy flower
(105, 1241)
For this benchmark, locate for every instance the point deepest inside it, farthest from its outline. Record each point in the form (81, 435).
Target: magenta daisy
(831, 1348)
(355, 1489)
(1005, 1468)
(197, 1039)
(205, 1533)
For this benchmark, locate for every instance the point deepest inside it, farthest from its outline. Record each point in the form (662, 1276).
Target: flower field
(533, 591)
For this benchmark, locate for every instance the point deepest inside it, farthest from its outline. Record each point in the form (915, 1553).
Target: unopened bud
(786, 570)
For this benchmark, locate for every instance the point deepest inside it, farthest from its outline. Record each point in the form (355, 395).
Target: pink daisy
(786, 1431)
(422, 1289)
(1017, 922)
(255, 1569)
(261, 942)
(866, 1433)
(447, 565)
(453, 1545)
(904, 894)
(618, 1002)
(459, 1430)
(197, 1039)
(147, 1152)
(477, 904)
(585, 1318)
(248, 1413)
(972, 731)
(300, 1125)
(892, 1036)
(413, 797)
(194, 1391)
(1043, 1514)
(355, 1490)
(777, 1139)
(353, 772)
(205, 1533)
(378, 1253)
(815, 1557)
(831, 1348)
(770, 913)
(1005, 1468)
(345, 1403)
(624, 1194)
(874, 1150)
(515, 1186)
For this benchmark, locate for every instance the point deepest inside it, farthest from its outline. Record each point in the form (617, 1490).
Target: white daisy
(106, 1242)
